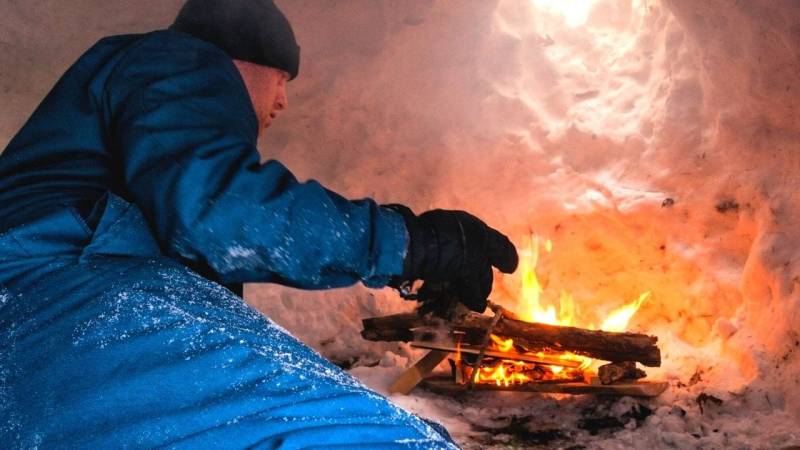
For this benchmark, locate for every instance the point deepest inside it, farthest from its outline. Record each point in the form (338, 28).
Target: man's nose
(281, 102)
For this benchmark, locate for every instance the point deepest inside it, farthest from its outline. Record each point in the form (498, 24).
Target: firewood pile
(501, 352)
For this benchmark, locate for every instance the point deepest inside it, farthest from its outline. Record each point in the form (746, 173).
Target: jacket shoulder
(171, 47)
(166, 63)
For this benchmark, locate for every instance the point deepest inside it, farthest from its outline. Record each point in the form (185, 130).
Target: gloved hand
(457, 250)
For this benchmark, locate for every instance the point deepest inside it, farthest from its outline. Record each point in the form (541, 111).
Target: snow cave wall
(656, 144)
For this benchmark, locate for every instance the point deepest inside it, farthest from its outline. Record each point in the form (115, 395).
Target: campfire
(540, 348)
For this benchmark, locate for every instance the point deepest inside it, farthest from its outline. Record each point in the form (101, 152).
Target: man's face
(267, 89)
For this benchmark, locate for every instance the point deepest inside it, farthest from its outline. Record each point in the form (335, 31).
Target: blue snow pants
(113, 345)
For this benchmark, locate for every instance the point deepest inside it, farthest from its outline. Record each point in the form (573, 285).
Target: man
(138, 172)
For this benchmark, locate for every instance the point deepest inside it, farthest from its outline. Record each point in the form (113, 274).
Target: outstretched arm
(184, 130)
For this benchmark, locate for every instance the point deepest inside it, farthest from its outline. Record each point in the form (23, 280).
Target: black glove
(453, 252)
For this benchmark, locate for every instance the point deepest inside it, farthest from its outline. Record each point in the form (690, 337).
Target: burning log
(613, 372)
(605, 345)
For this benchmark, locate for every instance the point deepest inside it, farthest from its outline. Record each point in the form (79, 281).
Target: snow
(655, 142)
(239, 257)
(4, 296)
(627, 134)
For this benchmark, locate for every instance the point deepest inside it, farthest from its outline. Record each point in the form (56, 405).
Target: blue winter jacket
(165, 122)
(140, 162)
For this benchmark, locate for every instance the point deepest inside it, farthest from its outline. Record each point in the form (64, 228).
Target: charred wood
(613, 372)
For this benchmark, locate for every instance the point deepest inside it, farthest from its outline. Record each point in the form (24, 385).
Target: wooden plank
(472, 350)
(426, 334)
(402, 320)
(445, 385)
(409, 379)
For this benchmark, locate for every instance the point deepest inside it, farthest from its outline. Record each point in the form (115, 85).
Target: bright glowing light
(531, 307)
(504, 345)
(504, 374)
(534, 308)
(575, 12)
(618, 319)
(566, 314)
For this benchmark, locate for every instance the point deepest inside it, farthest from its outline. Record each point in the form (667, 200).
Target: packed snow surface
(655, 143)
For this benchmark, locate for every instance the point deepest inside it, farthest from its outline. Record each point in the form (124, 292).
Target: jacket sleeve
(184, 133)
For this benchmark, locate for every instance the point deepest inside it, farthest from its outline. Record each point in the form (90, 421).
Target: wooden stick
(403, 320)
(409, 379)
(487, 335)
(422, 334)
(471, 350)
(638, 389)
(605, 345)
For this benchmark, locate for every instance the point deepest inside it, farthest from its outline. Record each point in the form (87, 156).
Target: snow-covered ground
(655, 142)
(749, 417)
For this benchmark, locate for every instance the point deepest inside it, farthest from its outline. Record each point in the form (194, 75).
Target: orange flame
(618, 319)
(534, 308)
(505, 374)
(504, 345)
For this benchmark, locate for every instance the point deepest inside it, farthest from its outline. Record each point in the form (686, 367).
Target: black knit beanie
(250, 30)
